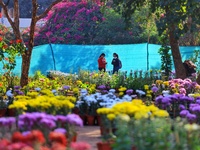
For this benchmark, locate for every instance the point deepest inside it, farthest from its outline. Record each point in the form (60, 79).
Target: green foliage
(112, 30)
(123, 140)
(9, 50)
(175, 13)
(195, 59)
(139, 78)
(166, 59)
(151, 134)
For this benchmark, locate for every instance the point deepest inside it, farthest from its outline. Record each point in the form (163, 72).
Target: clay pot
(3, 112)
(11, 112)
(90, 120)
(83, 117)
(104, 146)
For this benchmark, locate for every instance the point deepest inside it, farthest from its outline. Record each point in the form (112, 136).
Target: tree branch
(47, 10)
(5, 11)
(16, 13)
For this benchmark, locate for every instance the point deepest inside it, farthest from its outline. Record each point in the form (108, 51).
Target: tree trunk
(26, 59)
(179, 68)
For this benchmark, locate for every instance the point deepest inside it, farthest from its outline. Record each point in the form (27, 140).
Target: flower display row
(40, 131)
(51, 105)
(133, 125)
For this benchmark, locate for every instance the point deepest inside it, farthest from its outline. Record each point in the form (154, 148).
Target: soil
(89, 134)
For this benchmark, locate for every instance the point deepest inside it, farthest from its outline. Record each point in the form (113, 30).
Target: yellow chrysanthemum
(111, 116)
(104, 110)
(146, 87)
(159, 82)
(160, 113)
(76, 90)
(140, 115)
(124, 117)
(166, 83)
(175, 90)
(153, 108)
(122, 89)
(137, 101)
(78, 82)
(121, 93)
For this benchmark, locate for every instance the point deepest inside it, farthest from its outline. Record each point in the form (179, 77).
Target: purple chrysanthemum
(129, 91)
(17, 87)
(60, 130)
(74, 120)
(48, 123)
(61, 118)
(181, 107)
(154, 89)
(191, 117)
(166, 100)
(101, 87)
(184, 113)
(66, 87)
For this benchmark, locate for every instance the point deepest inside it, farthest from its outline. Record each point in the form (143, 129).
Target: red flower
(58, 138)
(44, 148)
(80, 146)
(36, 136)
(1, 39)
(16, 146)
(5, 46)
(11, 41)
(58, 146)
(6, 59)
(18, 41)
(18, 137)
(4, 143)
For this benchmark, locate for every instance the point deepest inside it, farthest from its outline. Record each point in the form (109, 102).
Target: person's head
(102, 55)
(115, 55)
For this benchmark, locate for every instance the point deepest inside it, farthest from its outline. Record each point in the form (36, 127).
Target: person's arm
(112, 62)
(104, 61)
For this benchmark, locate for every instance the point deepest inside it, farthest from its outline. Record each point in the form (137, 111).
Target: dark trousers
(102, 69)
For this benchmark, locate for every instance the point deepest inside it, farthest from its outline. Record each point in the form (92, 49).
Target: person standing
(102, 62)
(115, 63)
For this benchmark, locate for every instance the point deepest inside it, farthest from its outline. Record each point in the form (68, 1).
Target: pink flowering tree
(71, 23)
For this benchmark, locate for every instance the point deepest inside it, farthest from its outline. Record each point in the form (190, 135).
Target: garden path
(89, 134)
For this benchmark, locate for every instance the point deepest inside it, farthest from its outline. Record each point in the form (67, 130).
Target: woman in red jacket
(102, 62)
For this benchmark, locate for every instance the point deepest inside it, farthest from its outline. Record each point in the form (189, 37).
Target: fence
(71, 58)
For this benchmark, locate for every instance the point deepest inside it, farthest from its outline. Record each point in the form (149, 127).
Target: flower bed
(129, 115)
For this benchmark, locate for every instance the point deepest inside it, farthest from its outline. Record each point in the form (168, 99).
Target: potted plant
(3, 107)
(3, 104)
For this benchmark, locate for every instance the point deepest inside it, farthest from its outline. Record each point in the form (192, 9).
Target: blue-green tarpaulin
(71, 58)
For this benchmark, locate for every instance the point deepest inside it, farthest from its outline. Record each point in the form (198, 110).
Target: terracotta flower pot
(83, 117)
(75, 110)
(3, 112)
(11, 112)
(104, 146)
(98, 120)
(90, 120)
(133, 148)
